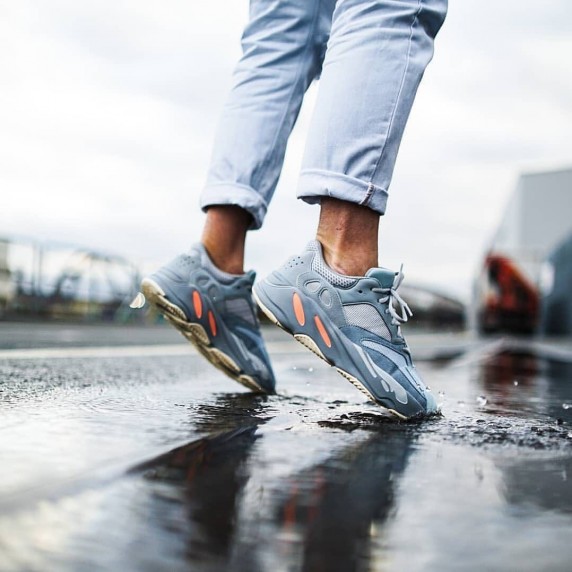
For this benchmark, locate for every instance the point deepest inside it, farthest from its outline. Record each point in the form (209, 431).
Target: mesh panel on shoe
(241, 308)
(367, 317)
(319, 266)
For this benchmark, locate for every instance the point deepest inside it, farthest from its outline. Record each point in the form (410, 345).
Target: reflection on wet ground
(139, 463)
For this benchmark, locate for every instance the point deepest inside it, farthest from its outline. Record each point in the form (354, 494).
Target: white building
(537, 217)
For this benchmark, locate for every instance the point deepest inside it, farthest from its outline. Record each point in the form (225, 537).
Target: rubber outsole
(311, 345)
(196, 334)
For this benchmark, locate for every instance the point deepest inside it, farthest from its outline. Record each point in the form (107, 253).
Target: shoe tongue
(250, 275)
(384, 276)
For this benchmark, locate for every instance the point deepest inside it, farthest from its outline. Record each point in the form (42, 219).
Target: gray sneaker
(352, 324)
(214, 311)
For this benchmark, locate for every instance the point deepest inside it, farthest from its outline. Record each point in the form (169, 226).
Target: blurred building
(537, 218)
(433, 309)
(7, 287)
(556, 289)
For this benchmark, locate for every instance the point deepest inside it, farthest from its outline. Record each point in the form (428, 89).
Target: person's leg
(376, 57)
(332, 297)
(348, 233)
(283, 48)
(224, 236)
(204, 293)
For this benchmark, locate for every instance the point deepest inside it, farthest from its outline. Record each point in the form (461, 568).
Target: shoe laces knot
(391, 297)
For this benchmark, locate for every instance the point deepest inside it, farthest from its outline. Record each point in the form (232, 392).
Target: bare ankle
(348, 234)
(224, 237)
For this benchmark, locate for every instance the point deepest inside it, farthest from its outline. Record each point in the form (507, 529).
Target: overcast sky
(108, 111)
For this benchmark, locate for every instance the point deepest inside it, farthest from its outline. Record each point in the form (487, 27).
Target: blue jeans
(371, 55)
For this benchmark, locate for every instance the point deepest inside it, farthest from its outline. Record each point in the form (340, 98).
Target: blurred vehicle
(509, 300)
(538, 216)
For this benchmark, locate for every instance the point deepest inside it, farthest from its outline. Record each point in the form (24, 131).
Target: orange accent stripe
(197, 304)
(323, 331)
(212, 323)
(298, 309)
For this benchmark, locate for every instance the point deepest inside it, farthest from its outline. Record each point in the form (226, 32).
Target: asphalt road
(122, 450)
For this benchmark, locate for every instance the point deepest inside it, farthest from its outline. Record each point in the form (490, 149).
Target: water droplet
(566, 406)
(310, 369)
(461, 403)
(482, 400)
(441, 394)
(515, 382)
(294, 368)
(138, 301)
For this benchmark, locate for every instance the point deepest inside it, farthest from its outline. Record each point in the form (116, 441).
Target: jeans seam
(368, 194)
(401, 84)
(308, 47)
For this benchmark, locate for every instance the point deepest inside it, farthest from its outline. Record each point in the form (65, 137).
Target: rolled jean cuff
(315, 184)
(236, 194)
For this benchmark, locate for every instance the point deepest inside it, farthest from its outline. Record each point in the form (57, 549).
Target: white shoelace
(391, 296)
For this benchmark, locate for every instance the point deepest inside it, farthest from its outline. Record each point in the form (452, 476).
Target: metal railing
(58, 280)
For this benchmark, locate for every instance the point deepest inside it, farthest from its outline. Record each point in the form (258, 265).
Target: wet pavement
(121, 450)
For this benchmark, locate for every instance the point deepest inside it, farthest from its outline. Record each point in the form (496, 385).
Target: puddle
(169, 467)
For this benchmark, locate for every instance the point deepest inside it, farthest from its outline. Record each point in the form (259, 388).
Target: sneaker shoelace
(390, 296)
